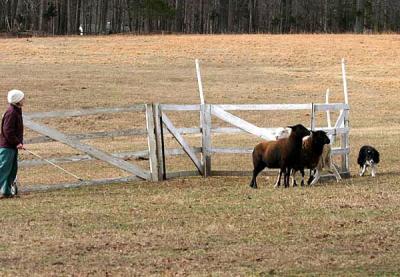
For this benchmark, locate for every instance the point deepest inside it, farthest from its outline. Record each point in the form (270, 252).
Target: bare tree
(199, 16)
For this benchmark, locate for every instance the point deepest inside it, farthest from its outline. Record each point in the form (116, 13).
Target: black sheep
(311, 152)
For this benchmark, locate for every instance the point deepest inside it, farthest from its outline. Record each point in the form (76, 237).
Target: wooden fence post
(345, 136)
(206, 138)
(345, 88)
(159, 136)
(328, 112)
(312, 127)
(151, 140)
(345, 143)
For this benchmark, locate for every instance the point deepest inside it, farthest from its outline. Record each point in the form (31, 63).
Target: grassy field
(195, 226)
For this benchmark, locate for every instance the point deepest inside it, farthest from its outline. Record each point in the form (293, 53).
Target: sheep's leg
(316, 177)
(373, 172)
(256, 171)
(287, 177)
(278, 180)
(302, 177)
(311, 178)
(294, 184)
(363, 170)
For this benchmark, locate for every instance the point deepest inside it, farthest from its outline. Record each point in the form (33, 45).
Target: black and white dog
(368, 156)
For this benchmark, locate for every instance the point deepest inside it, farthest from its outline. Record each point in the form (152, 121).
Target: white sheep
(282, 133)
(325, 162)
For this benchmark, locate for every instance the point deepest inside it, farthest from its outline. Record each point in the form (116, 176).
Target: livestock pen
(159, 125)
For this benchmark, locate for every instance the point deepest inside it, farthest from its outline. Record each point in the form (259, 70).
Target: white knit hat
(15, 96)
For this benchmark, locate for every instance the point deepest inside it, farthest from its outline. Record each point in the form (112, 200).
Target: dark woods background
(62, 17)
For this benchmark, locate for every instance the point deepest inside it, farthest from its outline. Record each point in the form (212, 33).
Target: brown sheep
(282, 154)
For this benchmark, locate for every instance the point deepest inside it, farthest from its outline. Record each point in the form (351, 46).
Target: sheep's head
(283, 133)
(320, 137)
(299, 131)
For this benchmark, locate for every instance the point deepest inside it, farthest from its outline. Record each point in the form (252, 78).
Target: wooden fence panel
(156, 118)
(86, 148)
(171, 128)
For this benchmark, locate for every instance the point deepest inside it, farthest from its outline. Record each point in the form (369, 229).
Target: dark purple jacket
(12, 128)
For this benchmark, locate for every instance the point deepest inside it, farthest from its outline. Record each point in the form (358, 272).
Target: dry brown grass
(195, 227)
(216, 226)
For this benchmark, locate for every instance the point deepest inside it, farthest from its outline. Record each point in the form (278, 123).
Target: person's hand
(20, 146)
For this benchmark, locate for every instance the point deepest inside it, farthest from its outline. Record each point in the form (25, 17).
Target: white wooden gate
(75, 141)
(203, 165)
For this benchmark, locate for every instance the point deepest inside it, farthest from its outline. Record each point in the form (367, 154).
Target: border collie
(368, 156)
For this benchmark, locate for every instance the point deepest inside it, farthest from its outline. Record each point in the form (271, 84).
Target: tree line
(64, 17)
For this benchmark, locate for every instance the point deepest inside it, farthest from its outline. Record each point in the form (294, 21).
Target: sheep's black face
(321, 137)
(300, 131)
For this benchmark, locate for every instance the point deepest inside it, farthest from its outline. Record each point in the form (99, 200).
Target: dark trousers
(8, 169)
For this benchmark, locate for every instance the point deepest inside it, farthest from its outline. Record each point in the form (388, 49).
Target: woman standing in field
(11, 140)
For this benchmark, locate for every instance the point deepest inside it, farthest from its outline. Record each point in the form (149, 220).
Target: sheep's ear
(291, 127)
